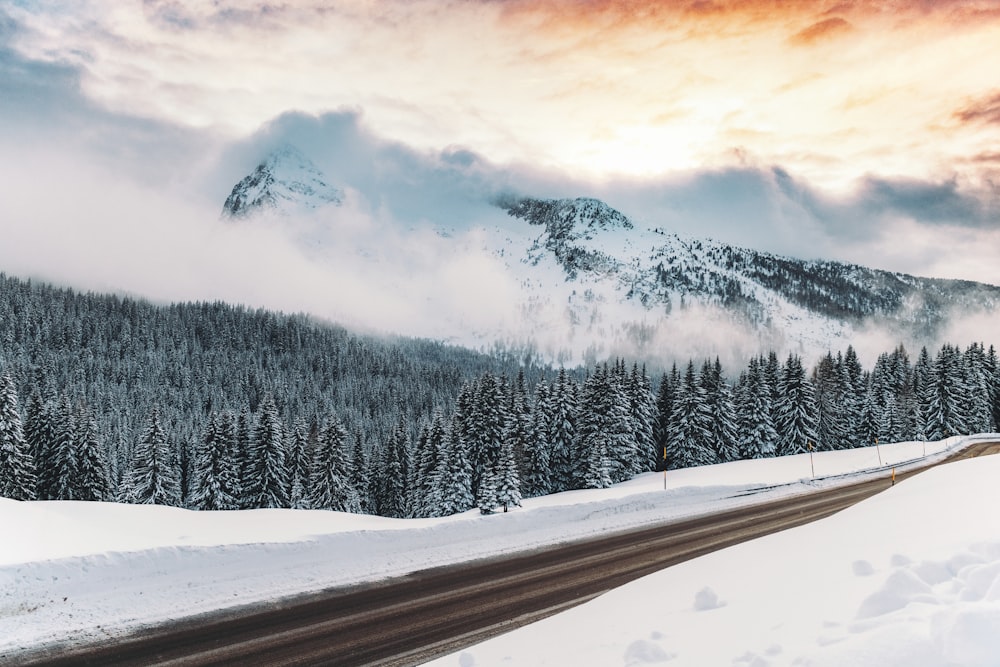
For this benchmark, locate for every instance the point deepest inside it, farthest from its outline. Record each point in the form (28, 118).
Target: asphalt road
(411, 619)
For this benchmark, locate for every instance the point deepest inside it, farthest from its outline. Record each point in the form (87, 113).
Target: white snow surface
(911, 576)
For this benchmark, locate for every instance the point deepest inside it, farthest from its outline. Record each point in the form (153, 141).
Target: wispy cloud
(983, 110)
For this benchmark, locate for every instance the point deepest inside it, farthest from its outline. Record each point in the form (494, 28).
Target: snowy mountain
(594, 243)
(287, 183)
(577, 280)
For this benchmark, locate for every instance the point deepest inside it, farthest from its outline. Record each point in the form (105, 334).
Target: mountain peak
(286, 182)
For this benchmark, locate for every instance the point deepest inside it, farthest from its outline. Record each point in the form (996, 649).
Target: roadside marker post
(879, 452)
(664, 467)
(812, 467)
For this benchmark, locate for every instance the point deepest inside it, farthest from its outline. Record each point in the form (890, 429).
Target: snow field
(76, 571)
(909, 577)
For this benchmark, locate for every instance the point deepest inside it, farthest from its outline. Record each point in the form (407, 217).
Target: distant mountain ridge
(659, 268)
(593, 281)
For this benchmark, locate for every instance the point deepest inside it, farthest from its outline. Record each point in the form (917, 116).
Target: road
(411, 619)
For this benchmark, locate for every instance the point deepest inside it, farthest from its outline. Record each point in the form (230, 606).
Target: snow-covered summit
(286, 182)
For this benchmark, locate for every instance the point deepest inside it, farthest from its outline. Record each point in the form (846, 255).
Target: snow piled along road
(912, 568)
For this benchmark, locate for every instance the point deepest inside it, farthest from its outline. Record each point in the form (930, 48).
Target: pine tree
(65, 454)
(359, 474)
(39, 434)
(212, 472)
(924, 389)
(720, 400)
(946, 402)
(832, 397)
(17, 465)
(664, 413)
(486, 495)
(392, 498)
(91, 479)
(517, 433)
(267, 486)
(643, 408)
(758, 437)
(329, 476)
(796, 413)
(606, 440)
(508, 483)
(486, 424)
(454, 477)
(430, 450)
(154, 479)
(563, 415)
(690, 441)
(298, 463)
(537, 478)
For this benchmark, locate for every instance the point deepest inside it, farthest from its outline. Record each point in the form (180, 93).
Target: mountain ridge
(591, 279)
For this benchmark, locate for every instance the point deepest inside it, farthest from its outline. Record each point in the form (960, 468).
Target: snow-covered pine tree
(976, 389)
(946, 408)
(268, 484)
(720, 401)
(91, 479)
(17, 465)
(299, 458)
(243, 456)
(154, 478)
(537, 477)
(755, 426)
(643, 408)
(832, 395)
(359, 474)
(517, 429)
(427, 461)
(620, 423)
(486, 424)
(690, 442)
(329, 477)
(923, 388)
(39, 433)
(993, 386)
(64, 455)
(508, 482)
(564, 414)
(796, 413)
(453, 480)
(664, 413)
(591, 450)
(394, 472)
(486, 496)
(212, 470)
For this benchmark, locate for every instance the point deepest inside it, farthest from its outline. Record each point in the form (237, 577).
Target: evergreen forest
(217, 407)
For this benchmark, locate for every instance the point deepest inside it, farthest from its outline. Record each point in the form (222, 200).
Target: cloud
(983, 110)
(603, 88)
(822, 30)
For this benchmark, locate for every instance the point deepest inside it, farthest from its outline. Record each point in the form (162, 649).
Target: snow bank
(75, 571)
(908, 577)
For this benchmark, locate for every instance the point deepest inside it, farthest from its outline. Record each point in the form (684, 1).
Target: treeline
(503, 438)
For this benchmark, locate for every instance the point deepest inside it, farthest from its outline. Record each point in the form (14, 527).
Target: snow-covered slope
(909, 577)
(73, 571)
(287, 183)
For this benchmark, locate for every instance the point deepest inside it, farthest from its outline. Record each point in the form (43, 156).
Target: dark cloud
(925, 202)
(983, 110)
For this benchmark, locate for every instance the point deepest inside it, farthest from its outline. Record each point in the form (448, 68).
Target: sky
(857, 131)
